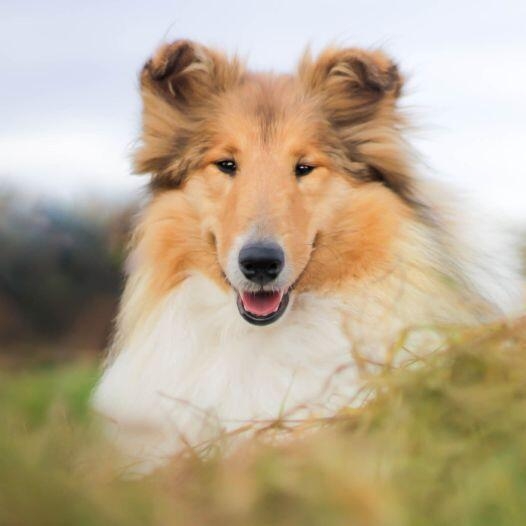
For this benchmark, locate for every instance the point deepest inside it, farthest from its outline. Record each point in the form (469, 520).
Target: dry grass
(442, 443)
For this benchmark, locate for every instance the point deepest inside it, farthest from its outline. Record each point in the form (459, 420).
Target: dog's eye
(227, 166)
(303, 169)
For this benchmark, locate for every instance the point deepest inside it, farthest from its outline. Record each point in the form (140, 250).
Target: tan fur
(368, 251)
(338, 114)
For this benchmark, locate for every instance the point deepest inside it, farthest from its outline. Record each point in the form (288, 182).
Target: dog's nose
(262, 262)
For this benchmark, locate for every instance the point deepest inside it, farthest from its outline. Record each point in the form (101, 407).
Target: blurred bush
(60, 271)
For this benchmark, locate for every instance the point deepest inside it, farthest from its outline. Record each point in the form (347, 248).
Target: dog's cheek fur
(356, 240)
(175, 239)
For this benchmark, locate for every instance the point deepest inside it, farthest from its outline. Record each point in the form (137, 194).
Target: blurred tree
(60, 270)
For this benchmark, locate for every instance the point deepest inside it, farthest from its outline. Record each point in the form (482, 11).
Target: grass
(442, 443)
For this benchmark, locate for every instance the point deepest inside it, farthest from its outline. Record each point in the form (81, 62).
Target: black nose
(262, 262)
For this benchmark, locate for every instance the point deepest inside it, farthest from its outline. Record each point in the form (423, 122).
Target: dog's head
(271, 183)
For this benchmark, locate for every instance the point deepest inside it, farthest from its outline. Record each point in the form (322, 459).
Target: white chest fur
(197, 368)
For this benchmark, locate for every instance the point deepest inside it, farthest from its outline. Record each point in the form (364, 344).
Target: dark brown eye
(303, 169)
(227, 166)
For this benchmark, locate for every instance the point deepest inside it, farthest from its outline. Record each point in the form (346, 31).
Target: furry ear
(178, 86)
(187, 74)
(355, 83)
(357, 90)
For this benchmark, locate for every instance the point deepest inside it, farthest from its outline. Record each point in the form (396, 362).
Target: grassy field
(442, 443)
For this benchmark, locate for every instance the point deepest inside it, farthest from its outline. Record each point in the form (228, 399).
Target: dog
(287, 240)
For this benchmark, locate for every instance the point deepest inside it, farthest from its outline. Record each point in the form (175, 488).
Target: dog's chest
(196, 368)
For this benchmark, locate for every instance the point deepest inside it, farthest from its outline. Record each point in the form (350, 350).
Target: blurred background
(70, 115)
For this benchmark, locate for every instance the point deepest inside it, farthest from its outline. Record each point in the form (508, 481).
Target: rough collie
(286, 242)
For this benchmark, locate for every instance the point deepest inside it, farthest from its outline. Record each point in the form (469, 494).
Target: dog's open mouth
(264, 307)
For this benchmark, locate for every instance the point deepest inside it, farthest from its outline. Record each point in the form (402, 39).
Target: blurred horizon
(71, 107)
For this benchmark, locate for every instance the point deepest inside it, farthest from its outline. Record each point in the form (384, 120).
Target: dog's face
(271, 184)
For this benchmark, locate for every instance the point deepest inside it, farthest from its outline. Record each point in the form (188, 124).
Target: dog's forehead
(269, 106)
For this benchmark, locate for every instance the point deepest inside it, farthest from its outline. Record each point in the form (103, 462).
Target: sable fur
(370, 249)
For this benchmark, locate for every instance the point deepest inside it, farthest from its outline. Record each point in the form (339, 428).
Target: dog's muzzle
(262, 263)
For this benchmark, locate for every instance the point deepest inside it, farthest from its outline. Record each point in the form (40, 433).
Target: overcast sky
(69, 105)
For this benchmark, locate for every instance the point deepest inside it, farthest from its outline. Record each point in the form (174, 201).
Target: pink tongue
(261, 303)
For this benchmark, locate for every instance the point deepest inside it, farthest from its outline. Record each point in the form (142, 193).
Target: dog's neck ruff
(196, 369)
(193, 369)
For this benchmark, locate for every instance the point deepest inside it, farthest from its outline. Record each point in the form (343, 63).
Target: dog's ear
(178, 85)
(354, 83)
(357, 90)
(187, 74)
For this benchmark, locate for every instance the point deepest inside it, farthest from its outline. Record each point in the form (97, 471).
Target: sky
(70, 108)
